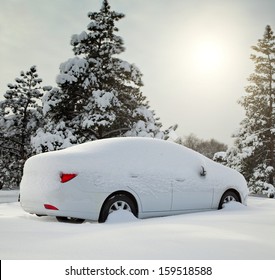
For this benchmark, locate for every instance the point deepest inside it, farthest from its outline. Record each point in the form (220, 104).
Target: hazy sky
(194, 55)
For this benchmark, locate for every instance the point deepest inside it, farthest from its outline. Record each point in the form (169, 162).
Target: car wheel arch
(230, 190)
(117, 193)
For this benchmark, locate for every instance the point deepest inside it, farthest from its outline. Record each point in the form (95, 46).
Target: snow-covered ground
(235, 232)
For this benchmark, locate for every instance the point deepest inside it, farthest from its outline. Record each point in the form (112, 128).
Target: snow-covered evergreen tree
(254, 149)
(20, 117)
(98, 94)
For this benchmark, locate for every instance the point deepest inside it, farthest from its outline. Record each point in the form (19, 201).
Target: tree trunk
(271, 142)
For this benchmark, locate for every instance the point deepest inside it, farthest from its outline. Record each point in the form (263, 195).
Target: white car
(146, 176)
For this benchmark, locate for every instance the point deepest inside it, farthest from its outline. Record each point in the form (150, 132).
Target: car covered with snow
(146, 176)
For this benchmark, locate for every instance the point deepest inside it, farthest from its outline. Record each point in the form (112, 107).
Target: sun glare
(208, 57)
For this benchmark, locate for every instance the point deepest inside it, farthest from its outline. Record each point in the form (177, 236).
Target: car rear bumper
(88, 208)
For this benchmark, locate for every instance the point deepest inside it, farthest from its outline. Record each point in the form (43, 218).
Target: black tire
(70, 220)
(117, 202)
(227, 197)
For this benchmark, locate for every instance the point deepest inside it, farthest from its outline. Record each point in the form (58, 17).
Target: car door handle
(180, 179)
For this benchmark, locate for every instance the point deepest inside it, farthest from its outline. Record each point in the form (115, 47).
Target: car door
(155, 192)
(191, 191)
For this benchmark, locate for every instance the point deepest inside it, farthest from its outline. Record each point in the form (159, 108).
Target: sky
(194, 55)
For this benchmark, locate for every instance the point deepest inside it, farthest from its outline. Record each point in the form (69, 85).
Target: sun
(208, 56)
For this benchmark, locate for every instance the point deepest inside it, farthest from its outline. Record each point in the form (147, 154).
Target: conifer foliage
(98, 94)
(20, 117)
(253, 153)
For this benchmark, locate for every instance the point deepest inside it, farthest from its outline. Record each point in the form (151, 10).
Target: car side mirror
(203, 171)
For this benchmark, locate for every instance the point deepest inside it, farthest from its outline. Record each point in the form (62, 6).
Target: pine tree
(255, 140)
(98, 95)
(20, 117)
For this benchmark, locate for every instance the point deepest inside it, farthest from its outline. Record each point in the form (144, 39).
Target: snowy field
(237, 232)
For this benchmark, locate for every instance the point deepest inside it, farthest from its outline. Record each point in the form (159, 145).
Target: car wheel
(70, 220)
(117, 202)
(227, 197)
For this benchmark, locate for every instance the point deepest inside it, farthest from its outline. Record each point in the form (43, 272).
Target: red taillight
(50, 207)
(65, 177)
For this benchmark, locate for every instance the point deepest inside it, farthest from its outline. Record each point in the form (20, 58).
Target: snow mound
(233, 205)
(121, 216)
(9, 196)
